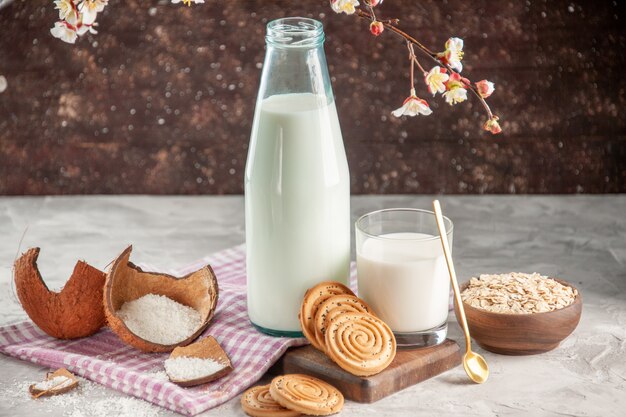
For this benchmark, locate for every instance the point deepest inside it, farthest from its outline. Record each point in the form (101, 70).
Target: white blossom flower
(89, 10)
(344, 6)
(455, 95)
(413, 106)
(66, 9)
(64, 31)
(436, 79)
(453, 53)
(77, 18)
(454, 44)
(455, 89)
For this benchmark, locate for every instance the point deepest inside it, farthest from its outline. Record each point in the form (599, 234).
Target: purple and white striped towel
(103, 358)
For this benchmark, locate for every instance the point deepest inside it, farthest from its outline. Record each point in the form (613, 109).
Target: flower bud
(485, 88)
(377, 28)
(492, 125)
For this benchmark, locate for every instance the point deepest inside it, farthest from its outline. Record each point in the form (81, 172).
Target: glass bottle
(297, 184)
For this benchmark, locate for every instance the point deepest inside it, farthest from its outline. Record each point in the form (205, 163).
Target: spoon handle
(455, 285)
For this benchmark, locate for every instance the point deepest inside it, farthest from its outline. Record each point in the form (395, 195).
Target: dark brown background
(161, 100)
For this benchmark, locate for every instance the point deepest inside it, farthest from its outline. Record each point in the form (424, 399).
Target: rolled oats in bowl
(517, 293)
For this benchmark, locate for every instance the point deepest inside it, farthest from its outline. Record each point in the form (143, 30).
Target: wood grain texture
(522, 334)
(409, 367)
(161, 100)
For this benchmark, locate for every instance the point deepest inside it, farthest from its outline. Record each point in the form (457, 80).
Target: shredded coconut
(159, 319)
(88, 400)
(57, 382)
(185, 368)
(159, 376)
(116, 406)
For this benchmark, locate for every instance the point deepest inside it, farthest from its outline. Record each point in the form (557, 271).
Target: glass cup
(402, 273)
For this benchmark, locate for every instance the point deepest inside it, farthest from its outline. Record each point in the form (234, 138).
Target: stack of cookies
(344, 327)
(291, 396)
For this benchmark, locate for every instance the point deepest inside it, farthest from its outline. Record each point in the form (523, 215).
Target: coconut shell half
(74, 312)
(127, 282)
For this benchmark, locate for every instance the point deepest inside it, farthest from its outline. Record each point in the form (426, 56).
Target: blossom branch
(443, 78)
(77, 17)
(413, 58)
(411, 40)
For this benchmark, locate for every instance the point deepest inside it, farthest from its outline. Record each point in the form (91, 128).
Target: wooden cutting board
(409, 367)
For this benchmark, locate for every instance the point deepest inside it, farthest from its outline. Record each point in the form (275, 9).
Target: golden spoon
(474, 364)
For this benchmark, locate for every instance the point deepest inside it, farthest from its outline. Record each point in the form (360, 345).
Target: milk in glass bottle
(297, 185)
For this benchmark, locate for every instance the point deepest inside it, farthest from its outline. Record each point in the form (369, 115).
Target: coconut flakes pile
(159, 319)
(185, 368)
(517, 293)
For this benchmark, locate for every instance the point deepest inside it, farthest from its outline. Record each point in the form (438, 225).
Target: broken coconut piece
(76, 311)
(126, 283)
(198, 363)
(57, 382)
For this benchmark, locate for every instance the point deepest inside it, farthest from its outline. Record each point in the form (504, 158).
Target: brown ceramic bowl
(521, 334)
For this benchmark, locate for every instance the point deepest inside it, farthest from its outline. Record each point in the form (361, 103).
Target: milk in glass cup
(402, 273)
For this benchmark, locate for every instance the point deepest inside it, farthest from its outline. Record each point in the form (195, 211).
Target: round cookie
(332, 307)
(313, 298)
(360, 343)
(306, 394)
(257, 402)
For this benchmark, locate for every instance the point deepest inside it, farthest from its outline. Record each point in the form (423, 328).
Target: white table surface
(581, 239)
